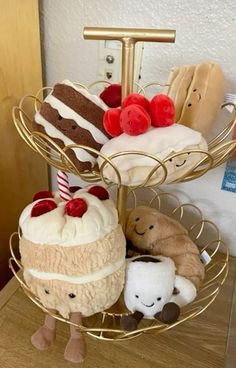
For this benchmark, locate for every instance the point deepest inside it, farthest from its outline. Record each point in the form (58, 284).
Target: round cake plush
(72, 115)
(73, 253)
(159, 142)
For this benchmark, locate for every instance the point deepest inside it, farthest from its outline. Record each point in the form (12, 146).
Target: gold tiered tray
(204, 233)
(106, 325)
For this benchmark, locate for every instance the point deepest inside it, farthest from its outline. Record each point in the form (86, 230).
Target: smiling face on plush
(145, 226)
(149, 284)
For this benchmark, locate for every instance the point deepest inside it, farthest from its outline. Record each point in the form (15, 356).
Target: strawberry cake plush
(148, 127)
(154, 291)
(73, 254)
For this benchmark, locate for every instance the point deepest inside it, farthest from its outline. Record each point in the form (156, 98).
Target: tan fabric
(168, 238)
(75, 260)
(198, 92)
(91, 298)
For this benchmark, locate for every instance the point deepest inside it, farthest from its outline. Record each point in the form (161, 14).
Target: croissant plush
(152, 232)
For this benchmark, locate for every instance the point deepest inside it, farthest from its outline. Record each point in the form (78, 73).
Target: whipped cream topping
(160, 142)
(57, 228)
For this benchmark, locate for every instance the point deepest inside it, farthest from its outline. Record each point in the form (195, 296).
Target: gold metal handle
(128, 37)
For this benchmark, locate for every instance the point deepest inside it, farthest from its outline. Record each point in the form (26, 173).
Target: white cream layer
(160, 142)
(57, 228)
(81, 154)
(95, 276)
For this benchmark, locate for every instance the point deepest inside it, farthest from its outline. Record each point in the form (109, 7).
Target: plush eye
(46, 291)
(194, 90)
(170, 159)
(59, 117)
(136, 296)
(151, 227)
(137, 219)
(158, 299)
(72, 296)
(74, 127)
(189, 105)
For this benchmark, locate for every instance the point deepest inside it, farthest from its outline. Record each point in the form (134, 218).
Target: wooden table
(208, 341)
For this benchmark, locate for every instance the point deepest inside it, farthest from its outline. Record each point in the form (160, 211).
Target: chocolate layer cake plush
(72, 115)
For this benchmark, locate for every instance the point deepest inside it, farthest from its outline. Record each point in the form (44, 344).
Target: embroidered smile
(180, 164)
(148, 306)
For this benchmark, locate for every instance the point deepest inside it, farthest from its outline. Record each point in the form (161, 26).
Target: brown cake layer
(80, 165)
(69, 127)
(81, 105)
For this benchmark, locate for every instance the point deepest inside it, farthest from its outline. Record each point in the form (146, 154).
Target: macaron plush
(137, 114)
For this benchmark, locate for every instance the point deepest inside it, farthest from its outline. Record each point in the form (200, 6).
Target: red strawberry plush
(162, 111)
(134, 120)
(76, 207)
(111, 122)
(43, 194)
(42, 207)
(112, 95)
(136, 99)
(74, 188)
(99, 192)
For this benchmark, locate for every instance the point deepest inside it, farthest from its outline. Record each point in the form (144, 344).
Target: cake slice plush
(71, 115)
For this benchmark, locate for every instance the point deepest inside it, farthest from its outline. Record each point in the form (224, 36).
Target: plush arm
(186, 291)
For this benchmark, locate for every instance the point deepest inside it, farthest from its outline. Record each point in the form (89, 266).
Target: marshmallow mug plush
(73, 254)
(154, 291)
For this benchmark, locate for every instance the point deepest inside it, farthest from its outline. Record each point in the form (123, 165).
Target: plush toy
(197, 92)
(157, 234)
(134, 120)
(137, 114)
(154, 291)
(159, 142)
(71, 115)
(162, 111)
(111, 122)
(112, 95)
(136, 99)
(73, 254)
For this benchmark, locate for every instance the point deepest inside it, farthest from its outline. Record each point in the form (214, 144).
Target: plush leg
(75, 350)
(169, 314)
(45, 335)
(130, 323)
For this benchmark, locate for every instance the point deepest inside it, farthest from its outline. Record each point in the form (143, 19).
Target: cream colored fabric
(198, 92)
(75, 260)
(101, 261)
(90, 298)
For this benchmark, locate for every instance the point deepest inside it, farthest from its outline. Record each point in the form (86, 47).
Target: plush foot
(169, 314)
(43, 338)
(128, 323)
(75, 350)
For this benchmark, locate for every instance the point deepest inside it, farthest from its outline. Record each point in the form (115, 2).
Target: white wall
(205, 30)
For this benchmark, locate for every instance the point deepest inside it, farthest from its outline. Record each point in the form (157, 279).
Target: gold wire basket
(220, 148)
(106, 325)
(204, 233)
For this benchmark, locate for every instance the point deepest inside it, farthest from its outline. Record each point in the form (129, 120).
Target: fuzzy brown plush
(157, 234)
